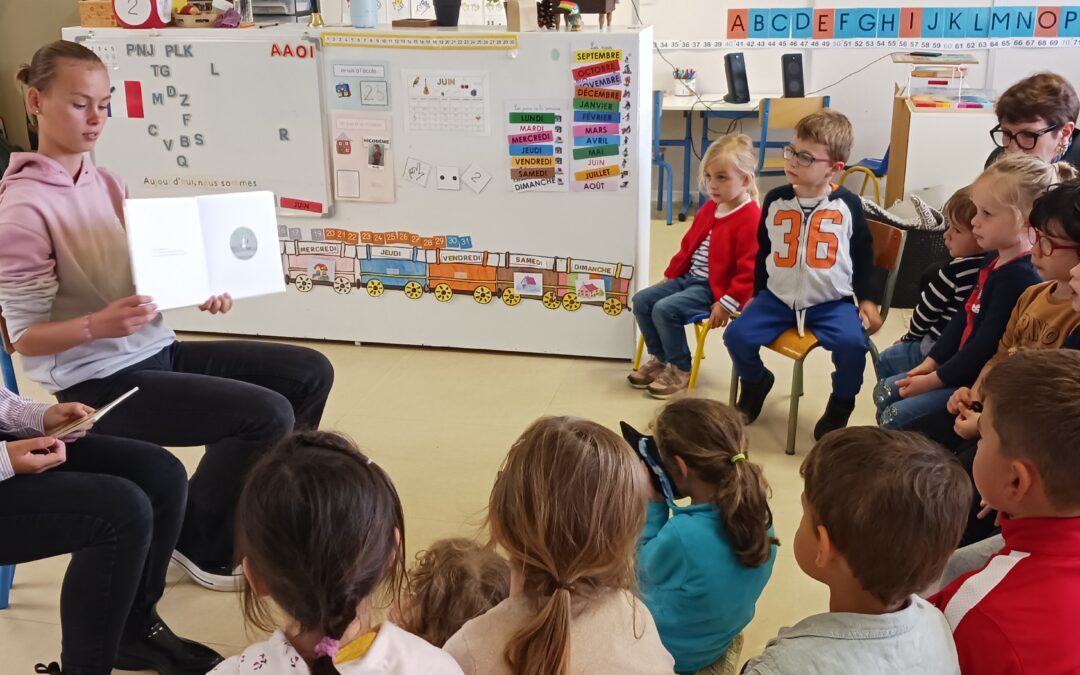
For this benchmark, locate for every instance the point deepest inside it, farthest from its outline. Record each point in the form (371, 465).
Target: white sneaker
(224, 580)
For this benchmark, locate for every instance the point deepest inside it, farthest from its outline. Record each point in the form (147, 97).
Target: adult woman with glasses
(1037, 116)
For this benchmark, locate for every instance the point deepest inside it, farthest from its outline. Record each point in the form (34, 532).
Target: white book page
(168, 257)
(240, 236)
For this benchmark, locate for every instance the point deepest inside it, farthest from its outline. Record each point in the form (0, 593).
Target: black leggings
(236, 398)
(977, 528)
(116, 505)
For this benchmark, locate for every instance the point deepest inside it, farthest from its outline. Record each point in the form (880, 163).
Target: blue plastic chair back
(7, 572)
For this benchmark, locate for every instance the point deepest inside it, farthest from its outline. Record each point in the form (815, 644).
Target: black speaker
(792, 75)
(737, 87)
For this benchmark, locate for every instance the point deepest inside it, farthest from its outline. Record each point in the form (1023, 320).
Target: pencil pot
(446, 12)
(686, 87)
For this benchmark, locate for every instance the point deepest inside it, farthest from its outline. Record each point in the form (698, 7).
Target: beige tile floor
(444, 465)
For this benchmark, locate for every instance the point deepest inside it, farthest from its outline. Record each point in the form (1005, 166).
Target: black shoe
(159, 649)
(836, 416)
(753, 396)
(51, 669)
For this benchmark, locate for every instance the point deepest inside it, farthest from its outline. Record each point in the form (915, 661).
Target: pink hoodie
(64, 254)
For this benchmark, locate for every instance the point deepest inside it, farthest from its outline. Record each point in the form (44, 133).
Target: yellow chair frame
(868, 178)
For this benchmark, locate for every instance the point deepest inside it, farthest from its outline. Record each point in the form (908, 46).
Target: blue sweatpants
(836, 325)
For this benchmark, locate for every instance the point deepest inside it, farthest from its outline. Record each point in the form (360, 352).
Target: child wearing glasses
(1044, 317)
(814, 271)
(1005, 195)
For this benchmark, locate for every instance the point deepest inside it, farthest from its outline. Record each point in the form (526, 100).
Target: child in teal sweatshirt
(702, 567)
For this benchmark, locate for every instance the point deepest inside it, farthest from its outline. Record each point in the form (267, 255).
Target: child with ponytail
(702, 567)
(321, 532)
(566, 508)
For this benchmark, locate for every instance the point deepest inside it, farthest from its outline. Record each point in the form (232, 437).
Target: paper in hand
(186, 249)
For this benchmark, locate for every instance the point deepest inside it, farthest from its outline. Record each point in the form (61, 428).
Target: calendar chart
(454, 101)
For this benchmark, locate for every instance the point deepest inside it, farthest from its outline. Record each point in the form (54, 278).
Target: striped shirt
(943, 295)
(19, 417)
(699, 262)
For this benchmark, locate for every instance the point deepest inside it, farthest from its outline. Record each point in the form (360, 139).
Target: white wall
(866, 98)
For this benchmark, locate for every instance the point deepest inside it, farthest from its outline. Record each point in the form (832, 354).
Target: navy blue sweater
(1073, 341)
(960, 366)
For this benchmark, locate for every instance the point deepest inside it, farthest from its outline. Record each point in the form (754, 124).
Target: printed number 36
(820, 246)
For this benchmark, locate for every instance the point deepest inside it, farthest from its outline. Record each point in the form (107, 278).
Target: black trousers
(236, 398)
(977, 528)
(116, 505)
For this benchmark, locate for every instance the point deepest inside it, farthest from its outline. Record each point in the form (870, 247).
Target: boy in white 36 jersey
(814, 271)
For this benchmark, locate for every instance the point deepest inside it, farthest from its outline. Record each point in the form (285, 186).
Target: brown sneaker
(645, 375)
(670, 382)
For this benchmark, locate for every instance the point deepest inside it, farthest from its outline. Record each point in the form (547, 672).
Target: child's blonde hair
(567, 508)
(735, 151)
(709, 436)
(1019, 179)
(454, 581)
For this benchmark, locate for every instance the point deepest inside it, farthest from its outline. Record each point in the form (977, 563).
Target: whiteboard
(401, 261)
(194, 115)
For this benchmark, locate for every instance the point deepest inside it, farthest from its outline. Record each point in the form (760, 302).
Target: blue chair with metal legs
(658, 160)
(7, 572)
(777, 114)
(872, 170)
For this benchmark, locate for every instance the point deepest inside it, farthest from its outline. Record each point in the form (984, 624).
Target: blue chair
(872, 170)
(658, 157)
(7, 572)
(776, 114)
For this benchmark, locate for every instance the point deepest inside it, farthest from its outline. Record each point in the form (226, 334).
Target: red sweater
(1021, 613)
(733, 247)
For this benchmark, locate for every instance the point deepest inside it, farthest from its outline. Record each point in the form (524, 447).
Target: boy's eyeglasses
(1025, 140)
(1045, 245)
(803, 158)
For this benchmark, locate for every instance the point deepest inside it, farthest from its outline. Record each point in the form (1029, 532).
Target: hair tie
(738, 457)
(328, 646)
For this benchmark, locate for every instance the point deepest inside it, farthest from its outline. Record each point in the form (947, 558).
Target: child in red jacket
(712, 272)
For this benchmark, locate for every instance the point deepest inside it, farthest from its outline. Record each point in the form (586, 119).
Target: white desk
(707, 106)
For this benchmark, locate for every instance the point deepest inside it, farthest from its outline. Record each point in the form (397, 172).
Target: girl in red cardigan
(712, 272)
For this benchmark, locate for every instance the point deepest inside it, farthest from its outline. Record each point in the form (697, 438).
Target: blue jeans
(662, 311)
(901, 413)
(899, 358)
(836, 325)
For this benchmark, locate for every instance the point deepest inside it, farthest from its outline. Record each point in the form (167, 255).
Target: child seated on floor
(567, 508)
(882, 511)
(453, 581)
(321, 533)
(1019, 614)
(712, 272)
(702, 567)
(944, 293)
